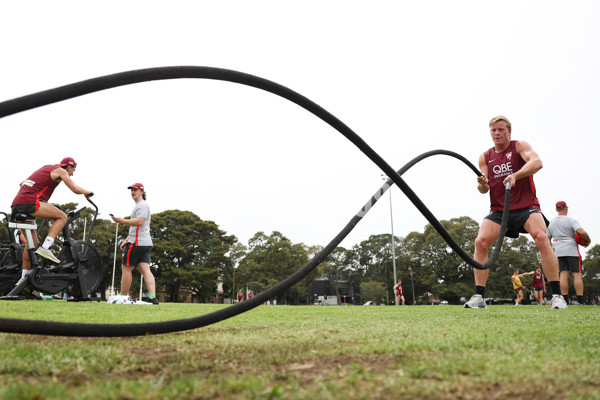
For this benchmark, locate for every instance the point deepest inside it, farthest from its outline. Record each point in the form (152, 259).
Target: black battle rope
(125, 78)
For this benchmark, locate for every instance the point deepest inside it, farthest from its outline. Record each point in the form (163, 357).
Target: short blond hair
(501, 118)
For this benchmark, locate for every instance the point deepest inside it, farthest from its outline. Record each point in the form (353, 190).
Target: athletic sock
(48, 242)
(580, 299)
(555, 287)
(151, 295)
(480, 290)
(24, 273)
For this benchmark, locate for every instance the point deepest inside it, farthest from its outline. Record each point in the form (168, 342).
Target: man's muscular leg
(488, 233)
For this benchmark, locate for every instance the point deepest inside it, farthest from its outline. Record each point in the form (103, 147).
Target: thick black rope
(125, 78)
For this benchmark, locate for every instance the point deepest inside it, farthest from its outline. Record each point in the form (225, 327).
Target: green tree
(409, 265)
(436, 268)
(230, 277)
(188, 252)
(449, 276)
(591, 275)
(271, 259)
(336, 267)
(372, 291)
(374, 258)
(4, 239)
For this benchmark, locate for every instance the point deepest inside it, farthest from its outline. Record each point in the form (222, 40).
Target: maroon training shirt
(500, 165)
(38, 187)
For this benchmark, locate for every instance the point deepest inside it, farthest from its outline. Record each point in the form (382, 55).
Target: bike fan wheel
(91, 266)
(10, 271)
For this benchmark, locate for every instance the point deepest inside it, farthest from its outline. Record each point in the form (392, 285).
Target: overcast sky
(407, 76)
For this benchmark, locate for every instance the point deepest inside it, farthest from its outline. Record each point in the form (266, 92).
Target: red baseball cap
(68, 161)
(560, 205)
(136, 186)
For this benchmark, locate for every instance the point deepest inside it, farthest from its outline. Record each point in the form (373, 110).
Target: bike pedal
(11, 268)
(61, 267)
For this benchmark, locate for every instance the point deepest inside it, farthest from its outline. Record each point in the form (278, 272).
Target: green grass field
(309, 352)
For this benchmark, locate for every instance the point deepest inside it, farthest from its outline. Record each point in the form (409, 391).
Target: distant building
(323, 292)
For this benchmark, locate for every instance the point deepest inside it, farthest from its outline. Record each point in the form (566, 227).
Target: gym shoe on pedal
(476, 301)
(47, 254)
(558, 302)
(21, 281)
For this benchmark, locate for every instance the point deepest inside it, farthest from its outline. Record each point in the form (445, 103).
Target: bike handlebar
(95, 216)
(91, 202)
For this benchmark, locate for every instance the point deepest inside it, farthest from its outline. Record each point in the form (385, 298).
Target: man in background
(562, 233)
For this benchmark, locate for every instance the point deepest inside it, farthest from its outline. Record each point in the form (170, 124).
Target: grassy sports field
(309, 352)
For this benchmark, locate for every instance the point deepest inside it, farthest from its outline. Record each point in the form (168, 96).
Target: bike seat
(21, 217)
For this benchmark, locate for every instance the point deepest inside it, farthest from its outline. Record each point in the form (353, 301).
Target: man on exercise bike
(32, 200)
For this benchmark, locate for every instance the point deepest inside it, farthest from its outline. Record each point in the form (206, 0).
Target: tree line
(195, 254)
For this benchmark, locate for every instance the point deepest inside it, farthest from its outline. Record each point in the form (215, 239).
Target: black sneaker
(147, 299)
(153, 300)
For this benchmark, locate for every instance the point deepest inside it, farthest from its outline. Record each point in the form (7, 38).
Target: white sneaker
(47, 254)
(558, 302)
(119, 299)
(476, 301)
(123, 299)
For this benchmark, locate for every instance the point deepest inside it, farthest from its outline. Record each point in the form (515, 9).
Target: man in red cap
(138, 244)
(561, 232)
(516, 162)
(33, 197)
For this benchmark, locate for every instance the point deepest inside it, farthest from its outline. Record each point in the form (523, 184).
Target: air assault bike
(78, 274)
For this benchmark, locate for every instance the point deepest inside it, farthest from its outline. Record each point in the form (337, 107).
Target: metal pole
(413, 285)
(385, 178)
(141, 284)
(393, 240)
(112, 290)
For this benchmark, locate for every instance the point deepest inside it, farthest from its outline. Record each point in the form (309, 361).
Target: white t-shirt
(140, 235)
(562, 230)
